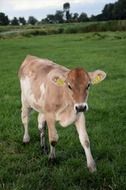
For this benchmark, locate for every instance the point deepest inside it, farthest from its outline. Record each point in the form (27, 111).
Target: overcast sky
(40, 8)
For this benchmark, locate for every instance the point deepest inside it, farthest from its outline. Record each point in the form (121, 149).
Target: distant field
(24, 167)
(67, 28)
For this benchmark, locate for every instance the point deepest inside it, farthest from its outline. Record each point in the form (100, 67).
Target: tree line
(111, 11)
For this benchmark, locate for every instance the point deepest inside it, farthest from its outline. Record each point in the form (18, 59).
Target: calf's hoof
(26, 140)
(44, 149)
(92, 167)
(52, 160)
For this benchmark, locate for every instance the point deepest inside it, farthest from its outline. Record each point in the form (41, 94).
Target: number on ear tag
(97, 79)
(60, 82)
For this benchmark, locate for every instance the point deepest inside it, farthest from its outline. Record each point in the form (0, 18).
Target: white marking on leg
(24, 116)
(83, 136)
(42, 128)
(52, 154)
(41, 119)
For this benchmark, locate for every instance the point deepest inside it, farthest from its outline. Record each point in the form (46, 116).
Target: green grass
(24, 167)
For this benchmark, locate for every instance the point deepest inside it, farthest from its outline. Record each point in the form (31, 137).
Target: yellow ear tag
(60, 82)
(97, 79)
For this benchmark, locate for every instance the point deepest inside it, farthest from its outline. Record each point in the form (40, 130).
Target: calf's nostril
(76, 108)
(85, 108)
(80, 108)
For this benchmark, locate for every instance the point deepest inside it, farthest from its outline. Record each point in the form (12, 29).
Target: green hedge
(71, 28)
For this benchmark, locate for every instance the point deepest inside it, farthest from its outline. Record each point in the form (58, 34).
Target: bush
(72, 30)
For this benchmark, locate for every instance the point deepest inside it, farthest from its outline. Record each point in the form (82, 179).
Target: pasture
(25, 167)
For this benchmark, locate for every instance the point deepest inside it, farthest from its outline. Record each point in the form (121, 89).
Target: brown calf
(57, 94)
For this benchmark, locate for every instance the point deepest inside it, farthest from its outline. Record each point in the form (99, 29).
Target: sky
(40, 8)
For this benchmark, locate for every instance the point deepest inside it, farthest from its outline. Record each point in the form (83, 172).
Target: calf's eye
(88, 86)
(69, 87)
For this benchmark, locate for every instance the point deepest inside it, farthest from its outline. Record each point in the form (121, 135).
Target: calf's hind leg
(25, 118)
(42, 129)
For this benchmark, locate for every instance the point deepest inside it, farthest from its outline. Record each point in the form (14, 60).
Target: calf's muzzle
(81, 107)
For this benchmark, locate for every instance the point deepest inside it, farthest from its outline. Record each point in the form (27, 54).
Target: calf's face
(77, 82)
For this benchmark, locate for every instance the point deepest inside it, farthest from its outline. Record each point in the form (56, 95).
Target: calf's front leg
(84, 140)
(53, 136)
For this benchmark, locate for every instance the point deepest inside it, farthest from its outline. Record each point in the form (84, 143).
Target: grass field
(24, 167)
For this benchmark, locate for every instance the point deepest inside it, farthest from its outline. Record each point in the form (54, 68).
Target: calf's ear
(58, 81)
(97, 76)
(57, 78)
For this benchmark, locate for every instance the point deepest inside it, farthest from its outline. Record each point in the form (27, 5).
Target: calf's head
(77, 83)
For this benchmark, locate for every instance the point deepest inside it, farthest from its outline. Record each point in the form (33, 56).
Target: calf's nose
(81, 107)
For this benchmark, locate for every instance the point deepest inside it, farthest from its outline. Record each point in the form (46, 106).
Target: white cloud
(40, 8)
(37, 4)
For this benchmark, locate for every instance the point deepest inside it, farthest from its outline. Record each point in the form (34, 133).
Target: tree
(66, 9)
(75, 17)
(56, 18)
(68, 16)
(22, 20)
(50, 18)
(44, 21)
(115, 10)
(4, 19)
(93, 18)
(107, 12)
(120, 9)
(14, 21)
(83, 17)
(59, 16)
(32, 20)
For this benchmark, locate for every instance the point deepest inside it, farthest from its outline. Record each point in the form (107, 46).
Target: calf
(57, 94)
